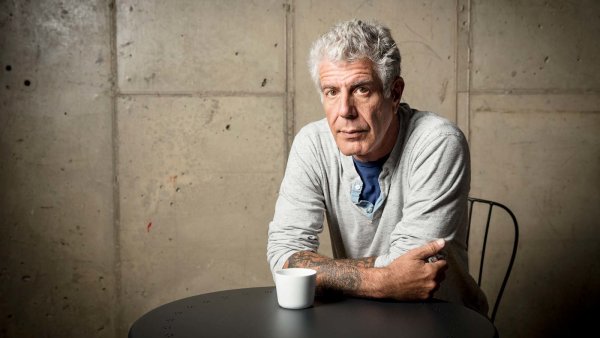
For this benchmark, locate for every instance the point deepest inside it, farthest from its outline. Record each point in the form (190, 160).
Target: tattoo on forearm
(332, 274)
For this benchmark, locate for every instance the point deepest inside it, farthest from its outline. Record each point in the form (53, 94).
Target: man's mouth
(352, 133)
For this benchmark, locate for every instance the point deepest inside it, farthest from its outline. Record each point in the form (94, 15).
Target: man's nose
(346, 108)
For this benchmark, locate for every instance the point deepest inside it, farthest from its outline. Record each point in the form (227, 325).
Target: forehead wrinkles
(341, 73)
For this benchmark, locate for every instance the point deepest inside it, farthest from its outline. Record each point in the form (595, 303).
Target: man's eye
(362, 90)
(330, 92)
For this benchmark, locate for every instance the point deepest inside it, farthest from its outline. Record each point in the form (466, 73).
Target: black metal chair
(491, 205)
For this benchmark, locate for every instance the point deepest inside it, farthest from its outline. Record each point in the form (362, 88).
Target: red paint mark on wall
(148, 227)
(173, 180)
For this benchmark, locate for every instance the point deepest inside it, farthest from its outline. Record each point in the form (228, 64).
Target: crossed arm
(409, 277)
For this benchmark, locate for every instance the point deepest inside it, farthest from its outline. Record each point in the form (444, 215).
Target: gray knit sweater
(424, 187)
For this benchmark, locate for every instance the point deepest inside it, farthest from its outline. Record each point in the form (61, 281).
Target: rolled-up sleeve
(435, 199)
(299, 211)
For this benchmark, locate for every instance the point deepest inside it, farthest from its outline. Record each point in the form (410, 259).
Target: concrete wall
(57, 218)
(142, 144)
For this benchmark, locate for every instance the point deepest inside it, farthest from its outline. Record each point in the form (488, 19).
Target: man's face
(363, 122)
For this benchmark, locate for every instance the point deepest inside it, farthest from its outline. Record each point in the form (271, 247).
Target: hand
(411, 277)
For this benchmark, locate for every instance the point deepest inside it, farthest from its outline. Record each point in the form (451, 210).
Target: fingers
(428, 250)
(440, 265)
(412, 277)
(435, 275)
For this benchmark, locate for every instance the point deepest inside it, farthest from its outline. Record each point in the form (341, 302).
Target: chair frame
(492, 204)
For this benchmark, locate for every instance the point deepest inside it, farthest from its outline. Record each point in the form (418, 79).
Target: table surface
(254, 312)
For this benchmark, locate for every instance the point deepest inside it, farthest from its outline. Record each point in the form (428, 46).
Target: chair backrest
(493, 207)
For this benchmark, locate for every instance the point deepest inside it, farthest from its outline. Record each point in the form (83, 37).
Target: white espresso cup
(295, 287)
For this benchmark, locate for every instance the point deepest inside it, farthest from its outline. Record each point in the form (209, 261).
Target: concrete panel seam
(535, 91)
(541, 111)
(200, 93)
(289, 119)
(463, 64)
(118, 312)
(469, 65)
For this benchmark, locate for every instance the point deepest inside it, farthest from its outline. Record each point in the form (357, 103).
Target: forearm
(354, 277)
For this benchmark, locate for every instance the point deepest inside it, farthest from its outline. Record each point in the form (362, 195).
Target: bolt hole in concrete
(8, 68)
(27, 83)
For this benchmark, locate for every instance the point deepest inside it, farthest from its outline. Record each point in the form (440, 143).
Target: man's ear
(397, 89)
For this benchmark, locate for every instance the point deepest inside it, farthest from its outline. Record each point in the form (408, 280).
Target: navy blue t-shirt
(369, 173)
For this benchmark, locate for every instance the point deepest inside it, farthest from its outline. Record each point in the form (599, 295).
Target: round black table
(254, 312)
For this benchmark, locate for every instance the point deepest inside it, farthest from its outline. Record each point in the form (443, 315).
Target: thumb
(429, 249)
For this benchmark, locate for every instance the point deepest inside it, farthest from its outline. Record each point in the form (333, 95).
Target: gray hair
(354, 40)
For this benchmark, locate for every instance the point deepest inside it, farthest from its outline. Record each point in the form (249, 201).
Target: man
(392, 181)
